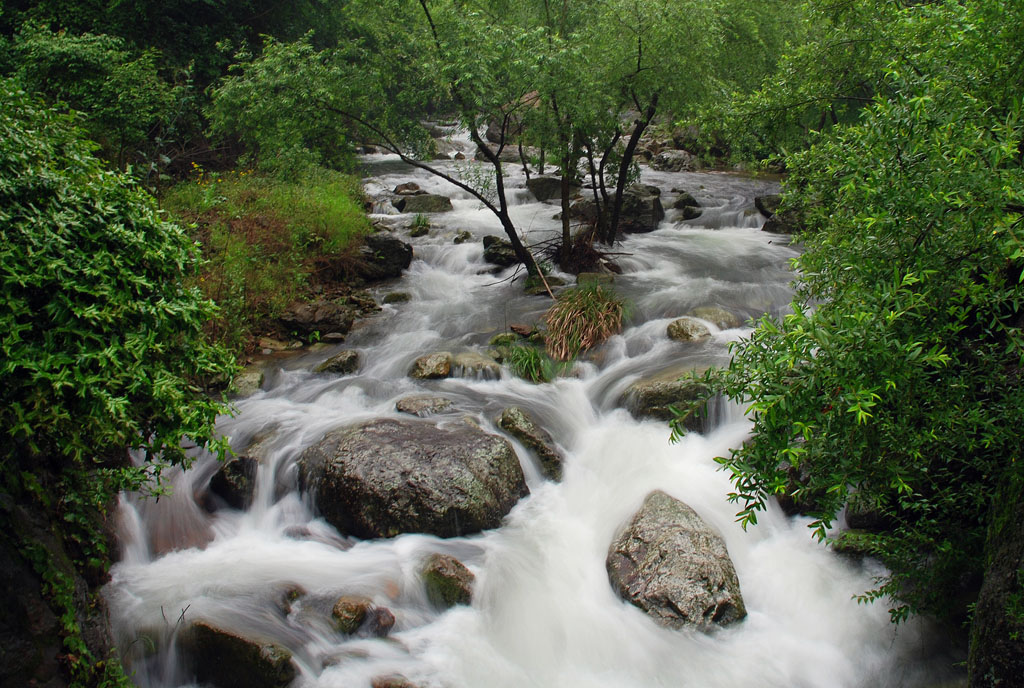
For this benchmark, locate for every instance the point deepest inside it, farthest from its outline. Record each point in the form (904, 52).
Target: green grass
(582, 318)
(267, 242)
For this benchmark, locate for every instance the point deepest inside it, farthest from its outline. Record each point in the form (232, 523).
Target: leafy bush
(582, 318)
(103, 344)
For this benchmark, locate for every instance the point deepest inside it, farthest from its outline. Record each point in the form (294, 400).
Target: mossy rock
(504, 339)
(435, 366)
(397, 297)
(230, 660)
(447, 581)
(342, 363)
(349, 613)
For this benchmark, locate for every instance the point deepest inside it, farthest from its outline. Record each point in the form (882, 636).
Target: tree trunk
(639, 125)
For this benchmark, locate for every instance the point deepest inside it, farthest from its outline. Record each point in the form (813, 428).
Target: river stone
(435, 366)
(248, 381)
(687, 330)
(397, 297)
(498, 251)
(423, 406)
(675, 161)
(423, 203)
(518, 423)
(392, 681)
(691, 213)
(409, 189)
(546, 186)
(673, 566)
(654, 397)
(229, 660)
(719, 316)
(235, 481)
(349, 612)
(685, 200)
(383, 256)
(343, 363)
(768, 205)
(786, 222)
(321, 316)
(472, 364)
(447, 581)
(462, 237)
(384, 477)
(641, 209)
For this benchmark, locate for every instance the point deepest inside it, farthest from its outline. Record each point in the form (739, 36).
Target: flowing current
(543, 611)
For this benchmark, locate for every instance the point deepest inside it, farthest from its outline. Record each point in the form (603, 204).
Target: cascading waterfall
(543, 612)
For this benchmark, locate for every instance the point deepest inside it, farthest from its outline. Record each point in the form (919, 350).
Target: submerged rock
(719, 316)
(518, 423)
(668, 562)
(447, 581)
(343, 363)
(655, 396)
(384, 477)
(230, 660)
(472, 364)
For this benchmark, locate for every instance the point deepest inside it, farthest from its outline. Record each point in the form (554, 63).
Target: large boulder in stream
(321, 316)
(422, 203)
(384, 477)
(498, 251)
(230, 660)
(675, 161)
(641, 209)
(545, 187)
(668, 562)
(383, 256)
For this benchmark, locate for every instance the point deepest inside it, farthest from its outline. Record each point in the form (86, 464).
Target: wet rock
(526, 331)
(719, 316)
(393, 681)
(691, 213)
(397, 297)
(320, 316)
(349, 613)
(423, 406)
(420, 230)
(235, 481)
(498, 251)
(535, 286)
(641, 209)
(342, 363)
(786, 222)
(447, 581)
(655, 396)
(685, 200)
(409, 189)
(383, 256)
(504, 339)
(435, 366)
(379, 622)
(687, 330)
(546, 187)
(668, 562)
(423, 203)
(475, 365)
(462, 237)
(675, 161)
(518, 423)
(768, 205)
(230, 660)
(385, 477)
(248, 381)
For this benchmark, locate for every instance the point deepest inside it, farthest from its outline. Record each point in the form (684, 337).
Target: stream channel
(543, 612)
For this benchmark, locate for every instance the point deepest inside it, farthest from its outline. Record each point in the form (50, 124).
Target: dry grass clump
(582, 318)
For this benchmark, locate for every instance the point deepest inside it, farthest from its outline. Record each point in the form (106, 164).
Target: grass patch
(582, 318)
(532, 363)
(267, 242)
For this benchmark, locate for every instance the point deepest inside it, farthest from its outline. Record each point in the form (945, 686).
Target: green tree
(893, 387)
(103, 347)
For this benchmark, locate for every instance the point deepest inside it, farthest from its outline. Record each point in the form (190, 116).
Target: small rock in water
(434, 366)
(342, 363)
(719, 316)
(423, 406)
(349, 612)
(447, 580)
(687, 330)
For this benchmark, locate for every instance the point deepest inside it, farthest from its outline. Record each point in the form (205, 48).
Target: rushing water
(543, 612)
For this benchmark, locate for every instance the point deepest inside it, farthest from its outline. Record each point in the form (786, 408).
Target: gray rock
(685, 200)
(518, 423)
(641, 209)
(385, 477)
(435, 366)
(321, 316)
(546, 187)
(673, 566)
(343, 363)
(785, 222)
(675, 161)
(248, 381)
(230, 660)
(655, 396)
(498, 251)
(423, 406)
(768, 205)
(687, 330)
(691, 213)
(447, 581)
(462, 237)
(383, 256)
(423, 203)
(475, 365)
(719, 316)
(409, 189)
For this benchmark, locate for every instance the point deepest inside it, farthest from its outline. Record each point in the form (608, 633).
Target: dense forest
(136, 138)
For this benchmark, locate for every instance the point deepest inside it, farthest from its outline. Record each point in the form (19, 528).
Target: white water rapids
(543, 611)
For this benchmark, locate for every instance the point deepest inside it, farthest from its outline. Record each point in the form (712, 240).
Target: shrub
(582, 318)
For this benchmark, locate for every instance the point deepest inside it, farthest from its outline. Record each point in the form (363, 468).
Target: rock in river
(671, 564)
(385, 477)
